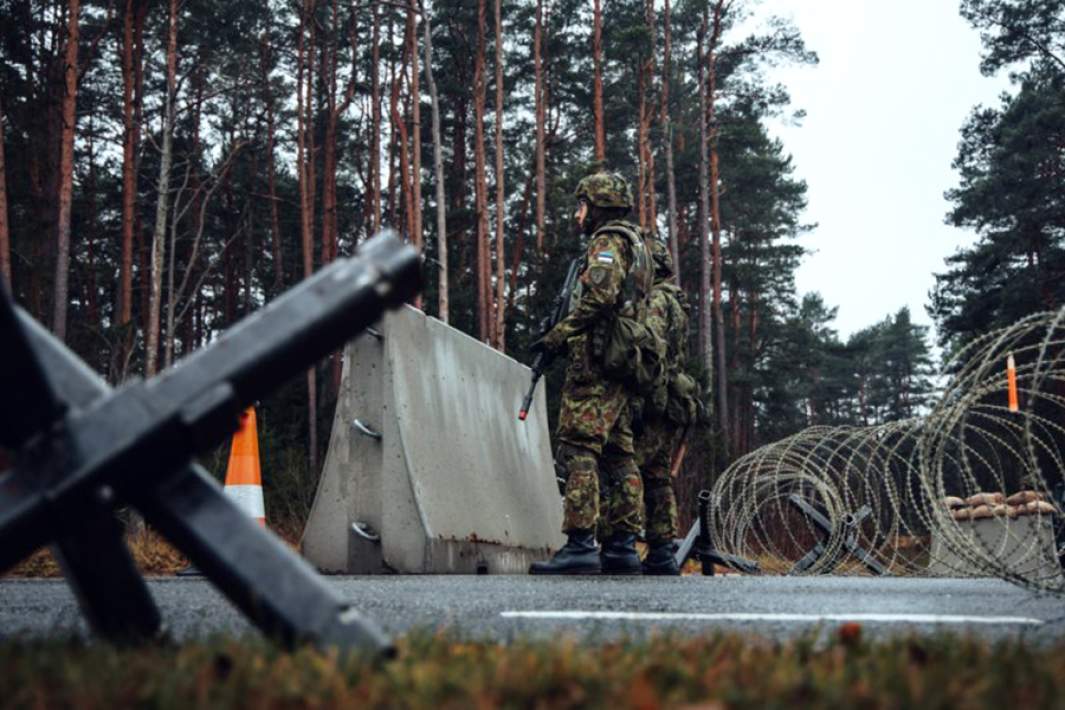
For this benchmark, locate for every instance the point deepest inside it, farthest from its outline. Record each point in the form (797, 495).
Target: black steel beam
(850, 526)
(91, 448)
(701, 546)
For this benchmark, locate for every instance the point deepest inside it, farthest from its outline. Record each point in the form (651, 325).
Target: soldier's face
(581, 213)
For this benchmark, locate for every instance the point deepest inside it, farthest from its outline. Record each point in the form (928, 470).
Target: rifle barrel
(537, 373)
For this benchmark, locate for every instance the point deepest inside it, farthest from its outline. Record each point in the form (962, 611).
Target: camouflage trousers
(596, 442)
(654, 456)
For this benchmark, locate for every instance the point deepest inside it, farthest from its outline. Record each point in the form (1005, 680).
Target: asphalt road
(513, 607)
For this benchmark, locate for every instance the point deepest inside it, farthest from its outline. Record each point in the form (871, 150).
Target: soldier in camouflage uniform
(663, 424)
(594, 427)
(661, 418)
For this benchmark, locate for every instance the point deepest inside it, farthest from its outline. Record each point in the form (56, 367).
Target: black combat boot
(619, 554)
(578, 556)
(660, 560)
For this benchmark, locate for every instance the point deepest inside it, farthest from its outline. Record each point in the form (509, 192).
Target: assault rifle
(559, 310)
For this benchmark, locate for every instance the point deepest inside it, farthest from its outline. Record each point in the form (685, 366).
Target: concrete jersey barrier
(454, 483)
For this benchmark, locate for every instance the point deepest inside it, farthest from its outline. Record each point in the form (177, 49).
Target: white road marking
(573, 615)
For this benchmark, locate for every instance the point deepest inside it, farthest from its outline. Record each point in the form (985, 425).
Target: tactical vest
(628, 350)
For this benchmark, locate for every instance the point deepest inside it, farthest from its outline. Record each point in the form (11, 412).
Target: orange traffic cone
(244, 482)
(1011, 384)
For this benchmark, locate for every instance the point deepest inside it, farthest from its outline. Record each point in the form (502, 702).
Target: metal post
(699, 544)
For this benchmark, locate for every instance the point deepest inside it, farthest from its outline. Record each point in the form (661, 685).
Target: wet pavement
(598, 608)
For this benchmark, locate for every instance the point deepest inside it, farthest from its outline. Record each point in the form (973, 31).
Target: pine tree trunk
(438, 171)
(305, 156)
(393, 140)
(417, 236)
(597, 82)
(313, 111)
(667, 141)
(132, 56)
(66, 171)
(374, 168)
(139, 240)
(641, 146)
(500, 304)
(5, 234)
(541, 182)
(416, 131)
(329, 161)
(485, 321)
(715, 224)
(647, 72)
(398, 145)
(163, 199)
(400, 125)
(705, 349)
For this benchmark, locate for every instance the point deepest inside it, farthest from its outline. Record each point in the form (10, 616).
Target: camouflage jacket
(615, 280)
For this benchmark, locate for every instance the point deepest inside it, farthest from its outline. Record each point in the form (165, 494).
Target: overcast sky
(895, 83)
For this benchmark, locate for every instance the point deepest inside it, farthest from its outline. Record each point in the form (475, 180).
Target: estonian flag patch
(605, 257)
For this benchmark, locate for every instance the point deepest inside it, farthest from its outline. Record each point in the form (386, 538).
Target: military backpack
(629, 350)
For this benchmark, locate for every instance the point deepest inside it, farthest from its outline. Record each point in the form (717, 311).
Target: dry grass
(440, 672)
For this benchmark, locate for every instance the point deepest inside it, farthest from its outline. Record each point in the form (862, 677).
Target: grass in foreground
(437, 671)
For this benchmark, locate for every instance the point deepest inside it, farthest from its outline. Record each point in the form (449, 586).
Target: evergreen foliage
(1011, 166)
(235, 161)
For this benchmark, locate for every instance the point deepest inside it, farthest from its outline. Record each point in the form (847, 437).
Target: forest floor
(153, 555)
(151, 552)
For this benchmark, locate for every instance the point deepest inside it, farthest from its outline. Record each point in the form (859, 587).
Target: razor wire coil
(911, 474)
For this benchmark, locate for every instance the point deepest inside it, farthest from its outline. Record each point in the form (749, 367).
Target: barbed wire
(972, 488)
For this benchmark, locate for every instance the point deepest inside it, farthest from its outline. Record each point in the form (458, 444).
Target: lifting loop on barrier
(365, 430)
(364, 531)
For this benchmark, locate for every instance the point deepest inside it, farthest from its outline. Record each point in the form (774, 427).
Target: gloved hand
(552, 342)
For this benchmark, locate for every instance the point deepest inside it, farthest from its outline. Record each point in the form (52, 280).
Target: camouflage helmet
(662, 258)
(604, 189)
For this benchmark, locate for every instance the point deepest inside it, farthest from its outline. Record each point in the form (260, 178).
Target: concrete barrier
(429, 469)
(998, 545)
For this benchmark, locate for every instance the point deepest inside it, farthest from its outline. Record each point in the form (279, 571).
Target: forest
(169, 167)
